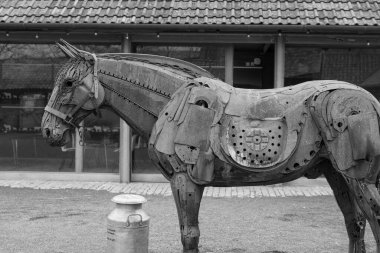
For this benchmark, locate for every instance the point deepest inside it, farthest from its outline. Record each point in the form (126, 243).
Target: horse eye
(69, 83)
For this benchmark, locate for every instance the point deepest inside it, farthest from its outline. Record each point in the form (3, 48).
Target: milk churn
(128, 225)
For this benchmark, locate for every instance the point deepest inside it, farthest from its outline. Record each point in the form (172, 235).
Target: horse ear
(80, 54)
(66, 51)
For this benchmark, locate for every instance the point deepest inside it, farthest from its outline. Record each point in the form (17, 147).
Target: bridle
(91, 95)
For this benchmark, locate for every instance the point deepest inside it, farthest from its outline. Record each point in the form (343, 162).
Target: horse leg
(187, 196)
(355, 222)
(368, 200)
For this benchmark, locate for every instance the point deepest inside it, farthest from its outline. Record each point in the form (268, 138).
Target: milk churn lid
(128, 199)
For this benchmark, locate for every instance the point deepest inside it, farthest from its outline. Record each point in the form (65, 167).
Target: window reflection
(101, 142)
(211, 58)
(360, 66)
(27, 73)
(26, 78)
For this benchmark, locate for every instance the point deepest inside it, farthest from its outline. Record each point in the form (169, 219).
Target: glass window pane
(211, 58)
(26, 77)
(357, 66)
(27, 73)
(101, 132)
(360, 66)
(302, 64)
(101, 142)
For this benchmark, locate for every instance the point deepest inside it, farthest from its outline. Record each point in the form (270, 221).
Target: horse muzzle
(56, 137)
(57, 134)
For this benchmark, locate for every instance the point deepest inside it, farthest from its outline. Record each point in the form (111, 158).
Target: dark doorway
(254, 67)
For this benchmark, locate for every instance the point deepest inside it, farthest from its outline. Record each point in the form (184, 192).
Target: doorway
(254, 66)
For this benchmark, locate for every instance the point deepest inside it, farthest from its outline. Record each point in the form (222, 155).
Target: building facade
(259, 44)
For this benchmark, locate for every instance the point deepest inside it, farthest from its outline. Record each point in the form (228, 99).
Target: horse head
(76, 94)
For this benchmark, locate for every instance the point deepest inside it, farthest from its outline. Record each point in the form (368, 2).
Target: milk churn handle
(134, 214)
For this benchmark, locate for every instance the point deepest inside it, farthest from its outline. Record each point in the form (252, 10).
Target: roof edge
(188, 27)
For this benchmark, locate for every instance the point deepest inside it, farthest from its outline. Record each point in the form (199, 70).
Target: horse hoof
(190, 251)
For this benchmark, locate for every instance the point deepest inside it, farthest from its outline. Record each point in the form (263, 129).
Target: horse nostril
(47, 132)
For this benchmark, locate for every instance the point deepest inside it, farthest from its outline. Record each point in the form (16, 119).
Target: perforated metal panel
(256, 143)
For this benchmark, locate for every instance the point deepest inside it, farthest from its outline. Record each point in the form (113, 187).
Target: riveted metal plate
(256, 143)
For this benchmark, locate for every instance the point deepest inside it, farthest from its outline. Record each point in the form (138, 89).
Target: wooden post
(79, 148)
(229, 65)
(125, 152)
(279, 61)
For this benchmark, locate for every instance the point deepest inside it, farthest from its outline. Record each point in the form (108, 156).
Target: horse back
(258, 132)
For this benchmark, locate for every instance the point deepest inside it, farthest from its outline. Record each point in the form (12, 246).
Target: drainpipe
(125, 152)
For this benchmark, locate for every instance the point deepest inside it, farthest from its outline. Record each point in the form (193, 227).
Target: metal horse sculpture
(203, 132)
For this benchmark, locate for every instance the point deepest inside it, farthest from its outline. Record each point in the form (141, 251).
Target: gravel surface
(70, 221)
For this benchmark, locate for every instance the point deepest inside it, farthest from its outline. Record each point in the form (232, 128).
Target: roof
(201, 12)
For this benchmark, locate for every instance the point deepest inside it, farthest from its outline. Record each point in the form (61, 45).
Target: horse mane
(162, 60)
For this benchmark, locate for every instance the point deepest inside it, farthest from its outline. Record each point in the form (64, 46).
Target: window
(27, 74)
(211, 58)
(360, 66)
(26, 78)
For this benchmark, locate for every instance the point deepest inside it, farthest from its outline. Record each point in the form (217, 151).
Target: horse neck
(137, 91)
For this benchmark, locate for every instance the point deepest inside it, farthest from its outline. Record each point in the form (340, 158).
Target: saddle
(262, 128)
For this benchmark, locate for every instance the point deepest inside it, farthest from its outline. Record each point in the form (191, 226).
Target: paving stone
(164, 189)
(246, 192)
(252, 192)
(228, 192)
(222, 192)
(258, 193)
(291, 191)
(264, 191)
(280, 191)
(240, 192)
(298, 191)
(126, 188)
(159, 189)
(276, 191)
(152, 189)
(215, 192)
(271, 192)
(117, 188)
(234, 192)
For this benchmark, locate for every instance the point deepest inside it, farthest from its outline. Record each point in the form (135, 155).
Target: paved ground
(74, 221)
(300, 187)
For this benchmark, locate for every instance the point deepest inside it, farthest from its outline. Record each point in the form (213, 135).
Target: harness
(92, 95)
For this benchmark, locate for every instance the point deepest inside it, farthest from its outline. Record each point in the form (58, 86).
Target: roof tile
(267, 12)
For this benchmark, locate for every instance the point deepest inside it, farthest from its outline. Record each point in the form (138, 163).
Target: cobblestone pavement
(298, 188)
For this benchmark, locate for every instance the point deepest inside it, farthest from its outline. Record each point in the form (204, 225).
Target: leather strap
(55, 112)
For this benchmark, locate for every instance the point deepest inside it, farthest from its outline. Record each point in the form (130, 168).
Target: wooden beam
(115, 36)
(279, 62)
(213, 38)
(79, 148)
(229, 64)
(333, 40)
(17, 37)
(125, 151)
